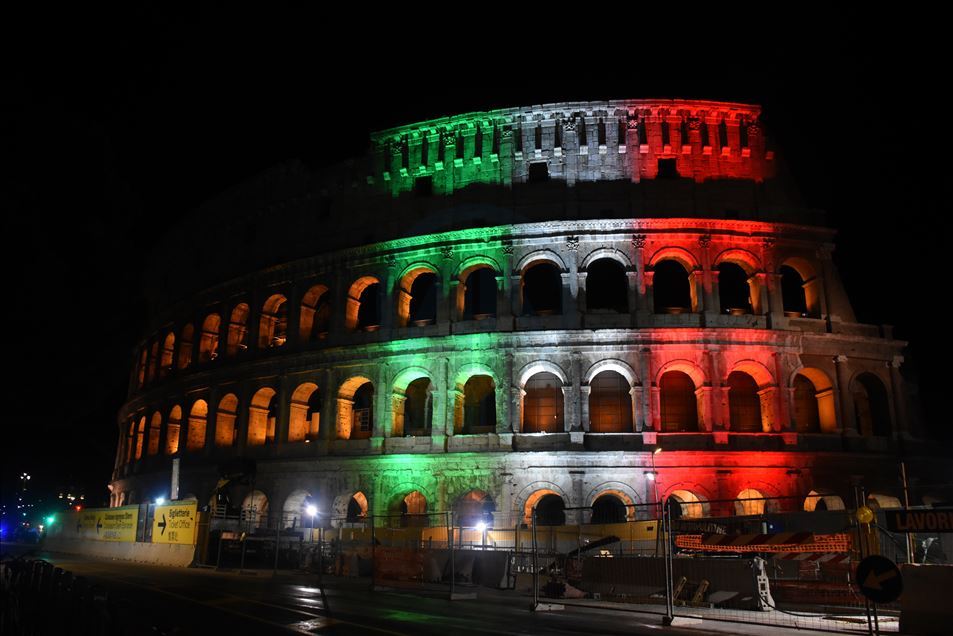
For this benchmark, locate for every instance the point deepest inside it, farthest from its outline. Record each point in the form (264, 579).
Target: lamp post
(653, 476)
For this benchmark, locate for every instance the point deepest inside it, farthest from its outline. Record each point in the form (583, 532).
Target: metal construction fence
(785, 568)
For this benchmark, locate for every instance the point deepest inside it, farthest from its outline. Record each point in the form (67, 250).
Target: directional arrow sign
(879, 579)
(161, 524)
(99, 524)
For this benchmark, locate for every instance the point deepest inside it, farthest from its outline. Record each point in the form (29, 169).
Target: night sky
(113, 131)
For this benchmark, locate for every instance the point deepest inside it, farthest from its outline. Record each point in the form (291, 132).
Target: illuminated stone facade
(502, 306)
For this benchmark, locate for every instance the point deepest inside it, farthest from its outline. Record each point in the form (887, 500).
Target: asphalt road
(162, 600)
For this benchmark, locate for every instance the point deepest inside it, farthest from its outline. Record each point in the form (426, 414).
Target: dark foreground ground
(160, 600)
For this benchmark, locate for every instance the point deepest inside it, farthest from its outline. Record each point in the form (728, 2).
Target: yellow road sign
(175, 523)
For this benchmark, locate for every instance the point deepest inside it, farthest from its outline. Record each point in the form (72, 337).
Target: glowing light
(160, 501)
(311, 510)
(650, 476)
(481, 527)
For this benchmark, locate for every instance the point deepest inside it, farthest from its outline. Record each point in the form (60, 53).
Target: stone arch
(418, 505)
(262, 417)
(208, 342)
(476, 295)
(349, 508)
(294, 512)
(226, 416)
(540, 256)
(198, 422)
(529, 495)
(408, 305)
(813, 401)
(304, 418)
(692, 505)
(542, 366)
(315, 315)
(678, 254)
(155, 432)
(473, 507)
(237, 339)
(756, 370)
(606, 252)
(352, 420)
(611, 364)
(273, 322)
(821, 499)
(879, 501)
(354, 318)
(744, 259)
(413, 397)
(254, 510)
(542, 407)
(173, 428)
(871, 404)
(168, 351)
(185, 347)
(801, 289)
(750, 501)
(689, 368)
(470, 369)
(620, 490)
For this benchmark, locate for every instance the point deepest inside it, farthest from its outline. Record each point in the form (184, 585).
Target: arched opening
(208, 344)
(168, 351)
(140, 436)
(273, 323)
(413, 511)
(684, 504)
(734, 291)
(542, 290)
(356, 508)
(172, 429)
(141, 367)
(608, 508)
(363, 305)
(610, 403)
(262, 415)
(304, 420)
(678, 403)
(543, 404)
(550, 510)
(478, 293)
(871, 407)
(198, 418)
(479, 405)
(255, 510)
(155, 432)
(671, 288)
(473, 508)
(418, 408)
(749, 502)
(744, 403)
(362, 412)
(814, 410)
(417, 298)
(225, 416)
(877, 501)
(800, 289)
(819, 502)
(237, 330)
(185, 347)
(607, 287)
(294, 514)
(315, 314)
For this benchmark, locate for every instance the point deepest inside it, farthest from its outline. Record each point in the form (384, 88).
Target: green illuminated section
(442, 155)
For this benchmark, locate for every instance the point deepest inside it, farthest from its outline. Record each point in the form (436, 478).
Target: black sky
(114, 128)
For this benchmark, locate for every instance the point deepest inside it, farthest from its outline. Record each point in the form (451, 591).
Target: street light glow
(312, 510)
(160, 501)
(481, 526)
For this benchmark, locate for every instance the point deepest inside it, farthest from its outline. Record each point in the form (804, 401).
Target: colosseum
(574, 307)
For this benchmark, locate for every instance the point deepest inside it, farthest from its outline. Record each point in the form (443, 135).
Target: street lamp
(312, 510)
(653, 476)
(481, 528)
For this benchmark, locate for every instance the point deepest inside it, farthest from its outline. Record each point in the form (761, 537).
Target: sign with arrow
(879, 579)
(175, 523)
(106, 524)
